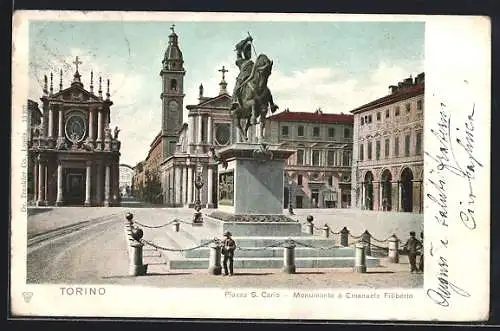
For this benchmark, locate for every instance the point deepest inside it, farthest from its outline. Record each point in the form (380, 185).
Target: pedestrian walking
(228, 248)
(421, 260)
(412, 246)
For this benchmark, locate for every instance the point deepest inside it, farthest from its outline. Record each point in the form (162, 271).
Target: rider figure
(245, 64)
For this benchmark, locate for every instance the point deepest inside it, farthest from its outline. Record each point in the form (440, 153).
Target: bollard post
(128, 222)
(214, 265)
(310, 225)
(360, 258)
(344, 237)
(176, 225)
(366, 238)
(136, 268)
(288, 258)
(326, 231)
(393, 249)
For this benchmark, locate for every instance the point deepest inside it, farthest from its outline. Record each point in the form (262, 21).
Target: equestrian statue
(251, 96)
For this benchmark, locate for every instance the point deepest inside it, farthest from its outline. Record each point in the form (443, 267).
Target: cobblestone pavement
(391, 276)
(100, 256)
(43, 219)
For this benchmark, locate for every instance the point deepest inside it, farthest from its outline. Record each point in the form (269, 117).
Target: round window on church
(75, 128)
(222, 133)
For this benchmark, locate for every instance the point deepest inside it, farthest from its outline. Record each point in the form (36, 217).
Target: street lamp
(198, 183)
(290, 208)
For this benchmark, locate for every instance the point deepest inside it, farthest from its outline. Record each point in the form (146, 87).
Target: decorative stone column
(107, 179)
(35, 180)
(41, 182)
(376, 201)
(363, 195)
(199, 138)
(60, 131)
(189, 186)
(51, 123)
(88, 181)
(98, 184)
(380, 196)
(210, 137)
(100, 123)
(191, 141)
(91, 125)
(210, 182)
(59, 200)
(177, 187)
(400, 196)
(184, 186)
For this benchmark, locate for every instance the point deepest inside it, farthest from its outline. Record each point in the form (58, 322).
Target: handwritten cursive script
(454, 158)
(442, 293)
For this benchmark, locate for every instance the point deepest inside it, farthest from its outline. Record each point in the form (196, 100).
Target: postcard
(250, 166)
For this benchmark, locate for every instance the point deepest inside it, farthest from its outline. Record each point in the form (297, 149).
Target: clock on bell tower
(172, 75)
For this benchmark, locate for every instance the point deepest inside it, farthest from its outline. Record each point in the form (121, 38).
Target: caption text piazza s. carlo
(318, 295)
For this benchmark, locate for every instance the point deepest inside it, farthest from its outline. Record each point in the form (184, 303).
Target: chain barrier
(373, 245)
(378, 240)
(163, 225)
(354, 237)
(145, 242)
(332, 232)
(155, 226)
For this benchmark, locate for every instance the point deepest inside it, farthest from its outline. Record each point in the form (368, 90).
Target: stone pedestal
(250, 191)
(252, 183)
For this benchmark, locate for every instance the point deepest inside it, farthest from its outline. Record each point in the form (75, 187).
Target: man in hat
(228, 247)
(412, 246)
(421, 261)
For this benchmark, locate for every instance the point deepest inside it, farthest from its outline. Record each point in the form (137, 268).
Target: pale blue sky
(333, 65)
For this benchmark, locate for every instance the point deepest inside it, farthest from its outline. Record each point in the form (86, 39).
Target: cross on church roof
(172, 28)
(77, 62)
(223, 70)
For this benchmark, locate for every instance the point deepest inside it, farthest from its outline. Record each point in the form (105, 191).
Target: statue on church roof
(107, 133)
(117, 131)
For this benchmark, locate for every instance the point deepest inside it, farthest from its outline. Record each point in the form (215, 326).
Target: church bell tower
(172, 96)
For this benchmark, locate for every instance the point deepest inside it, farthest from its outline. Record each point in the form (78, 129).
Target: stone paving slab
(393, 276)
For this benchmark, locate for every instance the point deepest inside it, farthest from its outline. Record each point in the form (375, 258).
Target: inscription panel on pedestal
(226, 188)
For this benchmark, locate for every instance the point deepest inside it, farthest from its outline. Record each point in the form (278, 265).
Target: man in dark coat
(421, 261)
(412, 246)
(228, 248)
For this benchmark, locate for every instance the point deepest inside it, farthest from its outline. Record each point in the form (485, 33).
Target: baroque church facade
(73, 152)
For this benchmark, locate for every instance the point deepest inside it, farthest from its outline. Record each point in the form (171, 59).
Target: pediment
(76, 93)
(221, 101)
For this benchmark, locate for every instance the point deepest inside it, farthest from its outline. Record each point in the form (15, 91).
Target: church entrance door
(75, 187)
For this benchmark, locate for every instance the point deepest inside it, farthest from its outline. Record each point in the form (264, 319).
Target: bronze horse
(255, 97)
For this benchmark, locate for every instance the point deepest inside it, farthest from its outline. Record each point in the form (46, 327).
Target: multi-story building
(388, 158)
(318, 174)
(75, 155)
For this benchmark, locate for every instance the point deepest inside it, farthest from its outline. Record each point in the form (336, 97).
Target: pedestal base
(253, 225)
(215, 270)
(288, 269)
(138, 270)
(87, 204)
(59, 203)
(360, 269)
